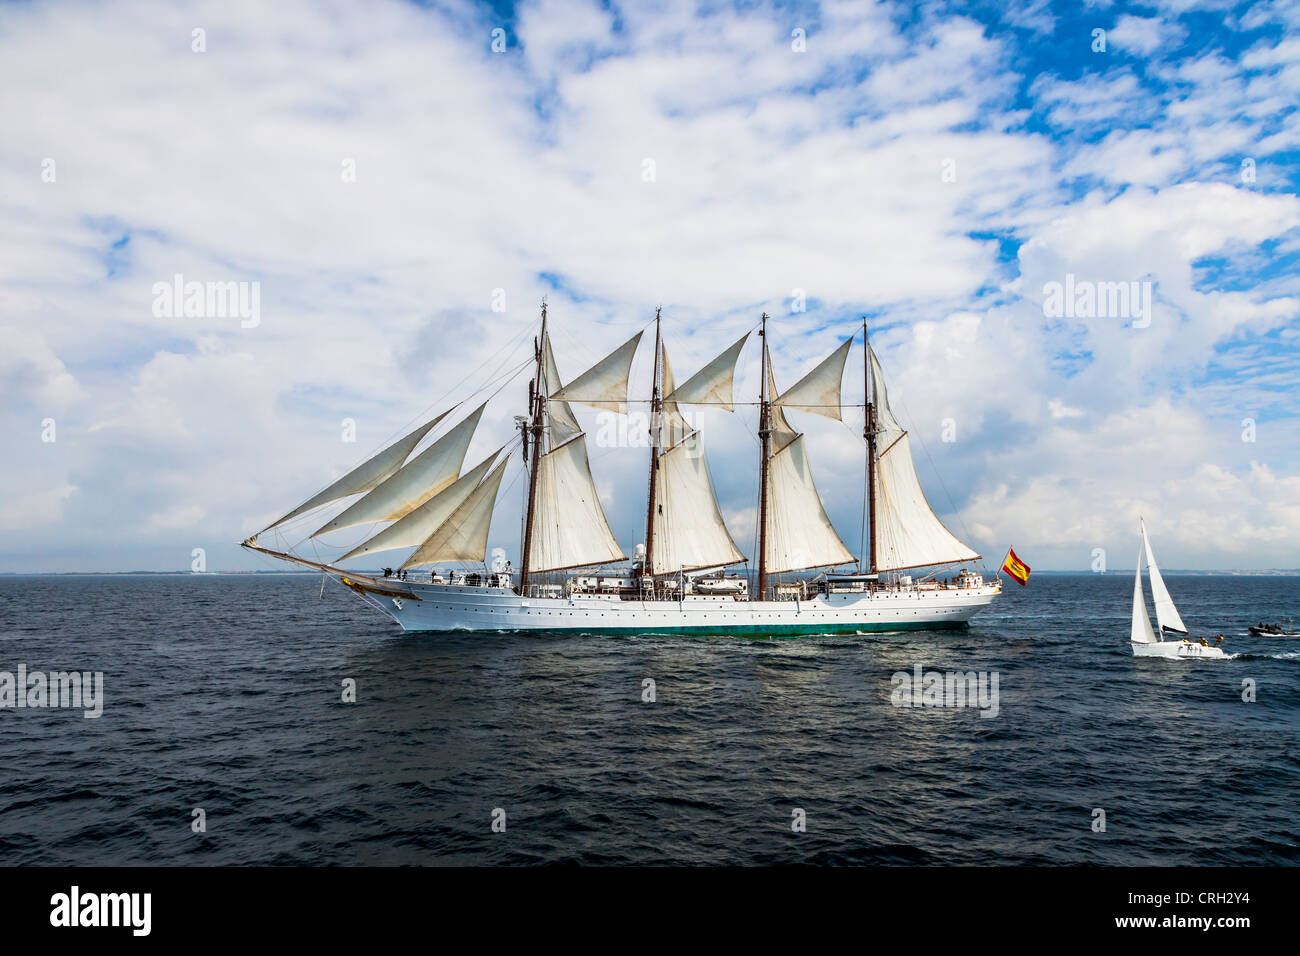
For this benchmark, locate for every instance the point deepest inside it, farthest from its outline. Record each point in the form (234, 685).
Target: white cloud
(32, 373)
(1131, 156)
(1144, 35)
(1092, 99)
(1060, 410)
(25, 509)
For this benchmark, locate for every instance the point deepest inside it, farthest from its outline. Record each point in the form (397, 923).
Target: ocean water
(224, 693)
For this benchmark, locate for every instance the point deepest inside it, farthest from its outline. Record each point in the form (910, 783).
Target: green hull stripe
(739, 630)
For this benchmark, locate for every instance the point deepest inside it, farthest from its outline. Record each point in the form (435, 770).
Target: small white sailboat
(1144, 641)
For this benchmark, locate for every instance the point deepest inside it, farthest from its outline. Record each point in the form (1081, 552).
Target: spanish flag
(1015, 567)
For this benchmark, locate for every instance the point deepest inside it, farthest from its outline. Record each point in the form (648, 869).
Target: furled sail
(604, 385)
(416, 482)
(1167, 616)
(1141, 632)
(569, 526)
(417, 526)
(799, 532)
(907, 532)
(689, 532)
(563, 425)
(463, 536)
(819, 391)
(712, 384)
(368, 474)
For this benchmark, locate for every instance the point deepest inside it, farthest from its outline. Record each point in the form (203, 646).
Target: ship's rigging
(429, 505)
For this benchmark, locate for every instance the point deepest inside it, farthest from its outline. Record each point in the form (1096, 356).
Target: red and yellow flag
(1016, 568)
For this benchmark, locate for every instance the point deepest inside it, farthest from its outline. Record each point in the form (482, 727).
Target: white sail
(463, 536)
(417, 526)
(888, 430)
(799, 533)
(569, 526)
(673, 426)
(604, 385)
(368, 474)
(416, 482)
(819, 391)
(1141, 632)
(907, 532)
(1167, 616)
(782, 432)
(711, 385)
(563, 424)
(689, 532)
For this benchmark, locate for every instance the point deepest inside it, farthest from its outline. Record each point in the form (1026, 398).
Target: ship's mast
(869, 433)
(537, 403)
(764, 442)
(656, 438)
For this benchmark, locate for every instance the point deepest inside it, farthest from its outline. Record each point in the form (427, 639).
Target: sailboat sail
(415, 482)
(712, 384)
(819, 391)
(417, 526)
(888, 430)
(604, 385)
(782, 431)
(1141, 632)
(799, 532)
(463, 536)
(1167, 616)
(686, 526)
(569, 526)
(563, 424)
(907, 532)
(673, 428)
(368, 474)
(689, 532)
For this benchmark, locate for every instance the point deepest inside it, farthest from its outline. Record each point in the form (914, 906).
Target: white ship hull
(1178, 650)
(444, 607)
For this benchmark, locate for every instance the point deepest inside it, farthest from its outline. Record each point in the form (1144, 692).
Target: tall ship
(572, 575)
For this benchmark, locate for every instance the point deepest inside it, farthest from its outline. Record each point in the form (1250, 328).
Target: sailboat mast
(869, 432)
(537, 400)
(656, 438)
(764, 441)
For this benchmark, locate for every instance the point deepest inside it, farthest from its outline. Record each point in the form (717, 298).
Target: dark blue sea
(224, 693)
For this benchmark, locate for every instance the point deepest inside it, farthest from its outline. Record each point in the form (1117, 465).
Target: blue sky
(934, 166)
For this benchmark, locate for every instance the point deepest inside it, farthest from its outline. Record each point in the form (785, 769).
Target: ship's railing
(622, 594)
(803, 591)
(544, 591)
